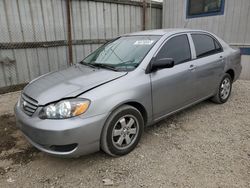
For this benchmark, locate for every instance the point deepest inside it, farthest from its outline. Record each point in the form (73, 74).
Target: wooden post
(69, 26)
(144, 9)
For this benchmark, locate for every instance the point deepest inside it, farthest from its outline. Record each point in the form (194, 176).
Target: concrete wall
(245, 61)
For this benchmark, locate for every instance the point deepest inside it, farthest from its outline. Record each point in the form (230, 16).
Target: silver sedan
(106, 100)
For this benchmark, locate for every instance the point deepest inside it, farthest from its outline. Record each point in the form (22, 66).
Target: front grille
(28, 104)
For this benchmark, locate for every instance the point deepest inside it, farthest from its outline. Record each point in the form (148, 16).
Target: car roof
(162, 32)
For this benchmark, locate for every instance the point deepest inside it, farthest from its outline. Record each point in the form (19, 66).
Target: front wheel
(122, 131)
(224, 90)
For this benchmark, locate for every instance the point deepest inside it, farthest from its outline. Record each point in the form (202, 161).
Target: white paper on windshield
(143, 42)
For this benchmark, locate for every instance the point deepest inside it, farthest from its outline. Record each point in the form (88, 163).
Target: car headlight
(65, 109)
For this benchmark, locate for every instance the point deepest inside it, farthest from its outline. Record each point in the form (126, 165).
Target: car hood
(68, 83)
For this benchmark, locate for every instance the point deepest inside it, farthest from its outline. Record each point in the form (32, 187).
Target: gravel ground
(207, 145)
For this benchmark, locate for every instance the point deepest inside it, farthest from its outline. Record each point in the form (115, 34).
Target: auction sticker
(144, 42)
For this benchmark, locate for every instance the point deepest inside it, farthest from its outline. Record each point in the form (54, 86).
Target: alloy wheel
(125, 132)
(225, 88)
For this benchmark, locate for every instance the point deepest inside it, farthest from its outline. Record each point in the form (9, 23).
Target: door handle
(192, 67)
(222, 59)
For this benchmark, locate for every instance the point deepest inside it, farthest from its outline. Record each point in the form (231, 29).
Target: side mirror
(162, 64)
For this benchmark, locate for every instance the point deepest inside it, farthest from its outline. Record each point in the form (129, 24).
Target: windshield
(122, 54)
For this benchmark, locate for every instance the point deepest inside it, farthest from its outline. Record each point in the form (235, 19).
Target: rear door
(208, 64)
(172, 88)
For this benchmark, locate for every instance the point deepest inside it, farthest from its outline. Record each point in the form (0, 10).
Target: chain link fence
(38, 37)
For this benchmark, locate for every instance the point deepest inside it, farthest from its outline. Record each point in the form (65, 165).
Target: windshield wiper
(128, 63)
(87, 64)
(105, 66)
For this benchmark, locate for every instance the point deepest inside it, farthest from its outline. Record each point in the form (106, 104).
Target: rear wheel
(122, 131)
(224, 90)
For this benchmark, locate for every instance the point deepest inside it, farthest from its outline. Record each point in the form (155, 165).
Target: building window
(200, 8)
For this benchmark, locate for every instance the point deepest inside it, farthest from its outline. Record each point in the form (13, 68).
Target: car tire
(224, 90)
(122, 131)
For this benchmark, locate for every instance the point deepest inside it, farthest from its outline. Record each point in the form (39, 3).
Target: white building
(229, 19)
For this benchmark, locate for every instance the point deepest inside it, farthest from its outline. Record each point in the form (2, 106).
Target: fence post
(144, 9)
(69, 26)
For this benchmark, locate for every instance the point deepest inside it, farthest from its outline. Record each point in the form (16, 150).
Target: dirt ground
(207, 145)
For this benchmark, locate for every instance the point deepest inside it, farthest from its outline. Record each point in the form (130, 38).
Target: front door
(173, 88)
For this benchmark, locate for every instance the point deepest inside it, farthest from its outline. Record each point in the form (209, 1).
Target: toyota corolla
(105, 101)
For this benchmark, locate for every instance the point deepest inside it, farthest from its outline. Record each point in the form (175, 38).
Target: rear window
(205, 45)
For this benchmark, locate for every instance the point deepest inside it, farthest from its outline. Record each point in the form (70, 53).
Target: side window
(217, 46)
(205, 45)
(177, 48)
